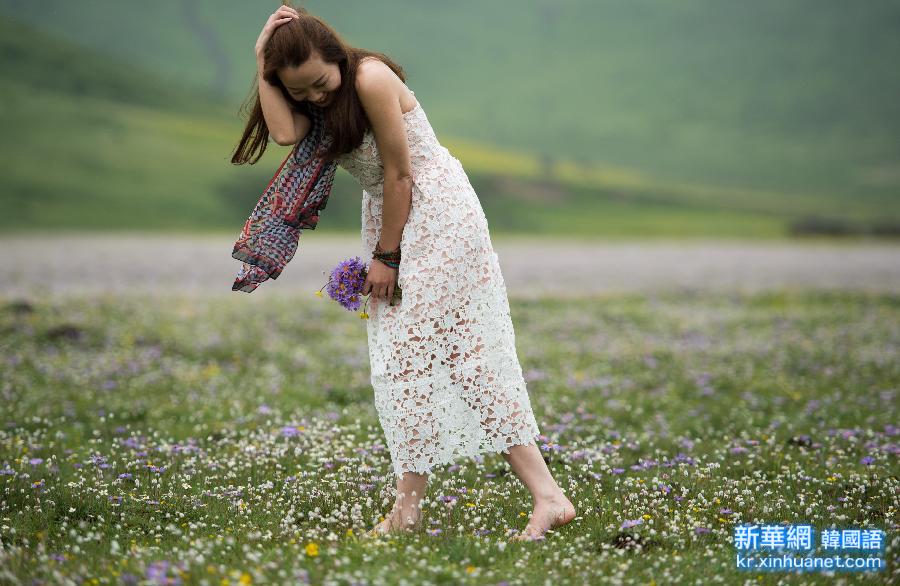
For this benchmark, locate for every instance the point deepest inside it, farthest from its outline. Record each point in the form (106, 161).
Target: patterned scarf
(290, 203)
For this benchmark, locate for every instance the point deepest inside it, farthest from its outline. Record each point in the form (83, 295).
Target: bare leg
(500, 412)
(406, 513)
(551, 506)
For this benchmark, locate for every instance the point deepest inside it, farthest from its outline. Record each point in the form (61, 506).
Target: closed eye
(318, 85)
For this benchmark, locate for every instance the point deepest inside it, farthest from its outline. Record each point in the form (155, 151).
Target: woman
(444, 368)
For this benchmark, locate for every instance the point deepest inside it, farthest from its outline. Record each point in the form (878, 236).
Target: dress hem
(524, 438)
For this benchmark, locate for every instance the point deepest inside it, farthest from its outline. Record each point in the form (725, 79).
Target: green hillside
(94, 142)
(792, 97)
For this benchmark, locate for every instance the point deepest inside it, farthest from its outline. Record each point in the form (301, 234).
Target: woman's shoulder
(372, 71)
(372, 67)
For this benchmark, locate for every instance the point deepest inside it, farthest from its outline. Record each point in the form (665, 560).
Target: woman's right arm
(286, 127)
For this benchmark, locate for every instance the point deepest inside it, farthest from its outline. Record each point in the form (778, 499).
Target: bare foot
(547, 514)
(411, 520)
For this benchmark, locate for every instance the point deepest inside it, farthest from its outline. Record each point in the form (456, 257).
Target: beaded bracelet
(390, 258)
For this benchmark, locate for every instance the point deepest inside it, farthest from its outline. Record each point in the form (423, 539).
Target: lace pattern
(444, 368)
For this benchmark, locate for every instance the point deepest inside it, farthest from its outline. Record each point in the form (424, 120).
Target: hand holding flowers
(351, 278)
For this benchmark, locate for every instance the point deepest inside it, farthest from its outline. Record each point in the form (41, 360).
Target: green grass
(205, 389)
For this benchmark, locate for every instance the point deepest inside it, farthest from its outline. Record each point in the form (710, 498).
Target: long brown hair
(291, 44)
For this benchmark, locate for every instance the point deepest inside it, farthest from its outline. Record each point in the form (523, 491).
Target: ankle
(550, 497)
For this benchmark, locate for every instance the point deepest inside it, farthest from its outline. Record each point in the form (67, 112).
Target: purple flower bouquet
(346, 282)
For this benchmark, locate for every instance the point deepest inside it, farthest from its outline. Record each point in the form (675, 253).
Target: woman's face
(314, 81)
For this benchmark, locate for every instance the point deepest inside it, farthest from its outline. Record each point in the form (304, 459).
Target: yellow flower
(246, 578)
(312, 549)
(349, 532)
(470, 504)
(470, 569)
(646, 516)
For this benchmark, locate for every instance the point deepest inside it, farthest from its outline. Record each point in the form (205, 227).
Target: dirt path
(77, 264)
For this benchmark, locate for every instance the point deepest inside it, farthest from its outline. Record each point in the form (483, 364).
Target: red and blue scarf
(290, 203)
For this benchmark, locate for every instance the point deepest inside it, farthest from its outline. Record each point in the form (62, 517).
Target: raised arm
(286, 125)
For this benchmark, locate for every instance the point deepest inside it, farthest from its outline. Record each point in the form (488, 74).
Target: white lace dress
(444, 368)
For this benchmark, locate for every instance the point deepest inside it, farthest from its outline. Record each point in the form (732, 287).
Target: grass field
(189, 440)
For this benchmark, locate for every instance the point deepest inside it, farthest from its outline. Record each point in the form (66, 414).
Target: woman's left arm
(379, 90)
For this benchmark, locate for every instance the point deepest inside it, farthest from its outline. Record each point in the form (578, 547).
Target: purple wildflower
(289, 431)
(157, 572)
(346, 283)
(629, 523)
(868, 460)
